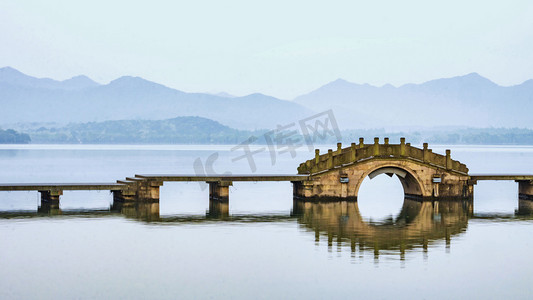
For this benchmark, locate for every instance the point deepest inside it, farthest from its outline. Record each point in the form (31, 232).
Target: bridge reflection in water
(418, 225)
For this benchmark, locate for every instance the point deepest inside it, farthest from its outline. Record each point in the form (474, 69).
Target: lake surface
(269, 246)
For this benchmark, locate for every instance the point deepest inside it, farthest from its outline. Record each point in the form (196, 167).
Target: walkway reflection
(145, 211)
(417, 226)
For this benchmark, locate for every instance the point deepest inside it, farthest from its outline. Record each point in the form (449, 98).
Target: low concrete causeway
(333, 176)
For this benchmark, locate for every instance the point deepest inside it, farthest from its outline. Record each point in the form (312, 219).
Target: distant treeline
(465, 136)
(491, 136)
(180, 130)
(10, 136)
(197, 130)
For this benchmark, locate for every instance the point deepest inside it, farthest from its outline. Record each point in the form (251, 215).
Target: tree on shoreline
(10, 136)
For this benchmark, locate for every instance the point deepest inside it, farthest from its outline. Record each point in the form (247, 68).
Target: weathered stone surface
(148, 190)
(418, 180)
(425, 175)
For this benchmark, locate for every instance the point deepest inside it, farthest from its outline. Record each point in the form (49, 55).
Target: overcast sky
(281, 48)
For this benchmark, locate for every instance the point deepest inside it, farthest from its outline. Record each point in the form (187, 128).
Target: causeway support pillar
(219, 199)
(302, 189)
(124, 196)
(525, 189)
(525, 207)
(219, 190)
(218, 210)
(50, 201)
(148, 191)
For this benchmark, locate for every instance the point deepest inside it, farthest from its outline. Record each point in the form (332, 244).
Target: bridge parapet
(361, 152)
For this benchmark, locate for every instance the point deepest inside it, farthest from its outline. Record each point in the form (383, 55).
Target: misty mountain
(28, 99)
(15, 78)
(469, 100)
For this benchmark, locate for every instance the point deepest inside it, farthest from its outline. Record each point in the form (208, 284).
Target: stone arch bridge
(423, 174)
(336, 175)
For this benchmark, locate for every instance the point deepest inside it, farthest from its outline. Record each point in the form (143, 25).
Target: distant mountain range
(28, 99)
(469, 100)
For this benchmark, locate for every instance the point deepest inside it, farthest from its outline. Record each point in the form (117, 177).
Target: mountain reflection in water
(418, 224)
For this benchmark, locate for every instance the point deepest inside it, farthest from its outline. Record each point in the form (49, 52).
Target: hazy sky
(282, 48)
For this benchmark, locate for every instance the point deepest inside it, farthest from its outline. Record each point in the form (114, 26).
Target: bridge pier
(219, 190)
(51, 198)
(218, 210)
(50, 202)
(124, 196)
(219, 199)
(525, 197)
(302, 189)
(525, 189)
(525, 207)
(147, 190)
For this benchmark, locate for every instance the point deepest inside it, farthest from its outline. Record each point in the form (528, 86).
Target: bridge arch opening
(381, 198)
(411, 185)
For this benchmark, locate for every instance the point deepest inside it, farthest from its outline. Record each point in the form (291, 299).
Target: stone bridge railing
(360, 152)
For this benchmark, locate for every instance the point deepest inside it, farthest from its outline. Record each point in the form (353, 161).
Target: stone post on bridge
(330, 159)
(402, 146)
(425, 152)
(448, 159)
(376, 146)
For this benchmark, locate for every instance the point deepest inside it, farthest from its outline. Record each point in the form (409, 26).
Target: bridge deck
(61, 186)
(214, 178)
(476, 177)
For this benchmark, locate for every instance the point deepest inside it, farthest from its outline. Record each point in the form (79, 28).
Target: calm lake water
(269, 247)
